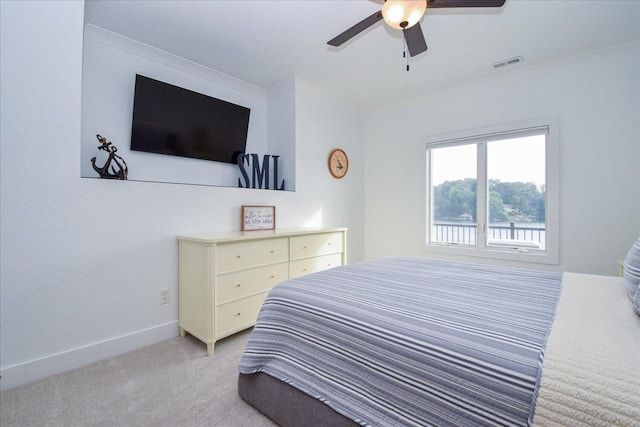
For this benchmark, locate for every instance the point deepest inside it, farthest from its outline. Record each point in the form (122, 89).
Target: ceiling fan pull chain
(404, 51)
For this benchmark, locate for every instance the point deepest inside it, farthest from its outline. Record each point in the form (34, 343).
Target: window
(494, 193)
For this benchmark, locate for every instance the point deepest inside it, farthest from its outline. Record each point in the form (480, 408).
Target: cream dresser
(225, 277)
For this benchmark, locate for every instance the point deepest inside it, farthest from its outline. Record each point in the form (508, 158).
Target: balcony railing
(500, 235)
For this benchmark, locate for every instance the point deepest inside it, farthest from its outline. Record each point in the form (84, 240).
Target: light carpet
(172, 383)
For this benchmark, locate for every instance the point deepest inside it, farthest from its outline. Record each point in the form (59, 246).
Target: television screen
(171, 120)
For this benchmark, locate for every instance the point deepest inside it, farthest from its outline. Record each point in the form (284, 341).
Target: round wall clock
(338, 163)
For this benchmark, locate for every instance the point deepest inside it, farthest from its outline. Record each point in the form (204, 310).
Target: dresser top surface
(220, 237)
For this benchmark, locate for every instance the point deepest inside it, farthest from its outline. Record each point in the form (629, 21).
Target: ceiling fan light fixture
(403, 14)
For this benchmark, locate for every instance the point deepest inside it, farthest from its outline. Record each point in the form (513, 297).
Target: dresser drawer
(239, 314)
(315, 244)
(311, 265)
(241, 255)
(240, 284)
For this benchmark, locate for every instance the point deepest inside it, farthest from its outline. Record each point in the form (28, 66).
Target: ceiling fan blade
(415, 40)
(356, 29)
(464, 3)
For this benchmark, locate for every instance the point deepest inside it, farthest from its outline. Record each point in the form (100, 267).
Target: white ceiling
(263, 42)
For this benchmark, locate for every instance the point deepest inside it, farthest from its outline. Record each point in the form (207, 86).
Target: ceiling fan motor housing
(403, 14)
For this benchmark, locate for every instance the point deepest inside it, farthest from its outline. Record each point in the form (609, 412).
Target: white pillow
(631, 269)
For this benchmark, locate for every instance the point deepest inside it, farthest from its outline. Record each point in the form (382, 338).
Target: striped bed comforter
(410, 341)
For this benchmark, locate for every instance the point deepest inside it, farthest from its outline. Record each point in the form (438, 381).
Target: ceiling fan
(405, 15)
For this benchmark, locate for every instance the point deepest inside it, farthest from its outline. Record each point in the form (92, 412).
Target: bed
(412, 341)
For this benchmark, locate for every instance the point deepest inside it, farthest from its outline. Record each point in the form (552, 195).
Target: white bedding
(591, 370)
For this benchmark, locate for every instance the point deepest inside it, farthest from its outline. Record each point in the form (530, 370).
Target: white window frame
(552, 186)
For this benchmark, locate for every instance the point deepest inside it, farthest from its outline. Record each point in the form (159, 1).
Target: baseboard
(34, 370)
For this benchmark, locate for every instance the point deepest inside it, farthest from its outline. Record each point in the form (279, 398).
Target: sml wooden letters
(259, 175)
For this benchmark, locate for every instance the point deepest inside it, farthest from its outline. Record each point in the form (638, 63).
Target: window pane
(453, 194)
(516, 174)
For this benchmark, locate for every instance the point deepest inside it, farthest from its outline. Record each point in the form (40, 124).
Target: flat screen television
(171, 120)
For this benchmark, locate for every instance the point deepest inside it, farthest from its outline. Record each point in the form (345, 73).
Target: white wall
(596, 97)
(281, 117)
(323, 122)
(82, 260)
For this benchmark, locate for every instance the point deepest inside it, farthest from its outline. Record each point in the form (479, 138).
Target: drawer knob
(237, 256)
(304, 247)
(272, 251)
(238, 285)
(329, 244)
(304, 269)
(272, 277)
(328, 265)
(238, 314)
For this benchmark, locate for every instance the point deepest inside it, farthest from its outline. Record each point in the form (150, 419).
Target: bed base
(286, 405)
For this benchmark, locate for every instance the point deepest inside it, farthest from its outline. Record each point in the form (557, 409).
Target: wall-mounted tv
(171, 120)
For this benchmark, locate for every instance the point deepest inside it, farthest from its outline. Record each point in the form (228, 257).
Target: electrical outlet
(165, 296)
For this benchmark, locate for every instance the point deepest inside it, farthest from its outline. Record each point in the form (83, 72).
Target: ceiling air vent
(510, 61)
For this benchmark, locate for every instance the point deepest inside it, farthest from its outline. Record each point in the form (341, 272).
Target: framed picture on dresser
(258, 218)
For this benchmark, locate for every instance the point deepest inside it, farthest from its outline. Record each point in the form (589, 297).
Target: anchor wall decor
(104, 172)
